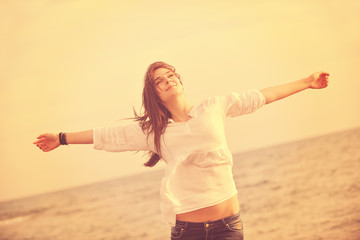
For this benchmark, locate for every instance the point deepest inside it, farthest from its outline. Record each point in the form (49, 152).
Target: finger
(44, 148)
(324, 74)
(41, 145)
(39, 141)
(42, 136)
(47, 149)
(325, 83)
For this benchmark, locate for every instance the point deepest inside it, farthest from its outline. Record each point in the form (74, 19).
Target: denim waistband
(207, 224)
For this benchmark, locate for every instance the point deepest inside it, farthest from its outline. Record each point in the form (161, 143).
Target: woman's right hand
(47, 142)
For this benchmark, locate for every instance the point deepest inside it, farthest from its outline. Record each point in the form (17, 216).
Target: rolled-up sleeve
(120, 138)
(237, 104)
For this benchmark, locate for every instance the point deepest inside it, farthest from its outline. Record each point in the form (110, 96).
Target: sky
(75, 65)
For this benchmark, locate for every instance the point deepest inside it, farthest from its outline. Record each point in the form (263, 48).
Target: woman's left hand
(319, 80)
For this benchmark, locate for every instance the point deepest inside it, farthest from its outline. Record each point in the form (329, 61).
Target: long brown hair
(155, 117)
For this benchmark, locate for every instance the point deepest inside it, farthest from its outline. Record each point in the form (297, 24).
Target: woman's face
(167, 84)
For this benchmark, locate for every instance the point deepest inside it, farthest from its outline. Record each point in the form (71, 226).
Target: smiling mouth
(170, 87)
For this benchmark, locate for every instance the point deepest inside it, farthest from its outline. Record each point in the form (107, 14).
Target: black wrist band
(62, 138)
(65, 139)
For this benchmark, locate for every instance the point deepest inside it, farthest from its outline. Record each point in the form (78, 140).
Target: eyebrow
(161, 75)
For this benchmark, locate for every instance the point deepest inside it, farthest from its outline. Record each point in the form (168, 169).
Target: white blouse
(199, 163)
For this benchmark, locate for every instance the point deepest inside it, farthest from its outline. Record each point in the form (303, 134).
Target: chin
(170, 96)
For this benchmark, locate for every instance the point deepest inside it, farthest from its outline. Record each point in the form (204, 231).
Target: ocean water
(308, 189)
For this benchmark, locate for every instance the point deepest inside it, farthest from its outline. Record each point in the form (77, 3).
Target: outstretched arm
(49, 141)
(317, 80)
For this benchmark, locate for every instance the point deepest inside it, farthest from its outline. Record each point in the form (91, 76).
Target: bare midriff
(224, 209)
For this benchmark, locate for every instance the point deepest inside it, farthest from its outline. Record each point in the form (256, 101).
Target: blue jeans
(229, 228)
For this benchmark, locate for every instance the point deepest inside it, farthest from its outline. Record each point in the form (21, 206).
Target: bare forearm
(318, 80)
(50, 141)
(275, 93)
(84, 137)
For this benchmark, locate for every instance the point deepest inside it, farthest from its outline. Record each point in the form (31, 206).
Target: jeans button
(207, 225)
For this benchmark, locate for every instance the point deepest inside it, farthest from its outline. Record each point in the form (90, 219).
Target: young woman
(198, 194)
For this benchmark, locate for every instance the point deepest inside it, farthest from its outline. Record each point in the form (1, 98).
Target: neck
(179, 108)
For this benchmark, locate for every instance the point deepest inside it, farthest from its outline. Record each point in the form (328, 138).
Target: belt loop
(223, 220)
(186, 225)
